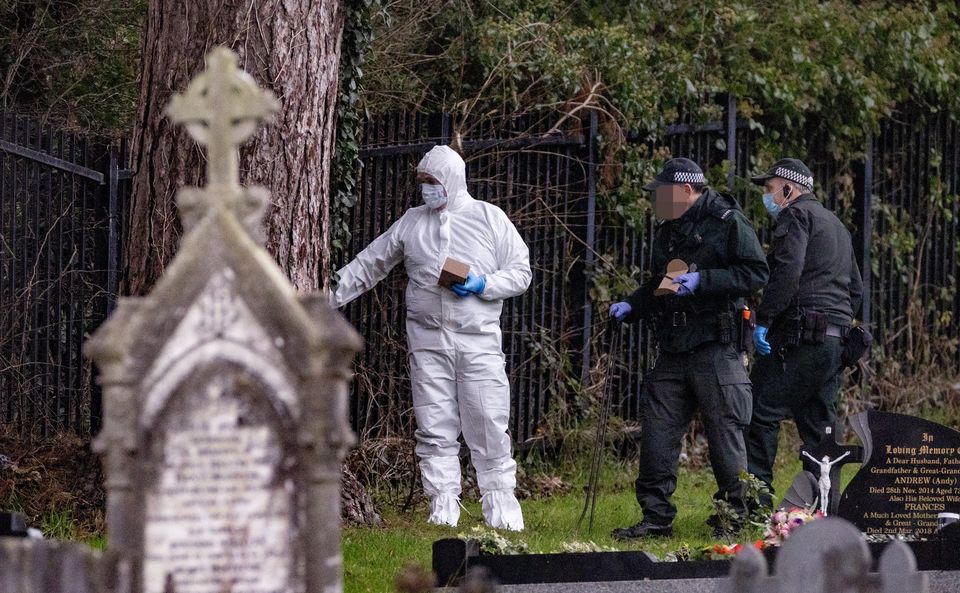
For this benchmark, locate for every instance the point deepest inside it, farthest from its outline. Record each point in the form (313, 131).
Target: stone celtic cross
(221, 109)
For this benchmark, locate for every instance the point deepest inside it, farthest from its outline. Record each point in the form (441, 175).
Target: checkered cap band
(794, 177)
(685, 177)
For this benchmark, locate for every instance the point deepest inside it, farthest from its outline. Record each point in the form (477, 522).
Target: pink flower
(782, 524)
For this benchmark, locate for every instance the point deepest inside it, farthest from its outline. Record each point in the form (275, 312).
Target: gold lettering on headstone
(924, 482)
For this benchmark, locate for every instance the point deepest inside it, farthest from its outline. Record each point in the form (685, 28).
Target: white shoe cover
(501, 510)
(445, 509)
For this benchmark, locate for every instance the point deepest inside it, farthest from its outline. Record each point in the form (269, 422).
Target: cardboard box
(453, 272)
(676, 268)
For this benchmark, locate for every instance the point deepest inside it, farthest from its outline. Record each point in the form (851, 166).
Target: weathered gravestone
(910, 474)
(225, 391)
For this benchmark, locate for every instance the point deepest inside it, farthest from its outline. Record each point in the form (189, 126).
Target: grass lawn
(373, 557)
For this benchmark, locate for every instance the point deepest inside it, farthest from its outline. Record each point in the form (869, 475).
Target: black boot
(642, 529)
(731, 529)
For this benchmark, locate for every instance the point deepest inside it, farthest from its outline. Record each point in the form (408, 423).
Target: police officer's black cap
(679, 170)
(790, 169)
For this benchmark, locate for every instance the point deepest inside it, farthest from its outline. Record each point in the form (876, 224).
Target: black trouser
(802, 385)
(713, 378)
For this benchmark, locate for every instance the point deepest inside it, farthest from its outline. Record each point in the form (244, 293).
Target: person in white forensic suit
(457, 372)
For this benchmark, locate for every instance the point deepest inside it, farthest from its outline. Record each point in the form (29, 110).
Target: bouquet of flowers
(783, 522)
(725, 551)
(492, 542)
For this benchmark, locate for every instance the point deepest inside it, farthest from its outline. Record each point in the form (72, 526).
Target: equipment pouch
(856, 346)
(726, 327)
(813, 328)
(785, 333)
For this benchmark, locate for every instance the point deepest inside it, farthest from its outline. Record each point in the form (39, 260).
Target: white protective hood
(443, 163)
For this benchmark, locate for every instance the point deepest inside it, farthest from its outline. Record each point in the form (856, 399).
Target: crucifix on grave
(823, 463)
(225, 390)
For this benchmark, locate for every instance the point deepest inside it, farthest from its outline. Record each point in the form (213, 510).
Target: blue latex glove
(760, 340)
(620, 310)
(688, 283)
(474, 285)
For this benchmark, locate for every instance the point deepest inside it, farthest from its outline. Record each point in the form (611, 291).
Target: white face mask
(434, 196)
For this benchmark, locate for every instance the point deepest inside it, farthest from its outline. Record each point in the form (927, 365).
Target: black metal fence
(900, 204)
(914, 254)
(60, 195)
(58, 253)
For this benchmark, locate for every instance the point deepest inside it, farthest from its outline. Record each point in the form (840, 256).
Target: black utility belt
(671, 319)
(722, 325)
(679, 319)
(809, 328)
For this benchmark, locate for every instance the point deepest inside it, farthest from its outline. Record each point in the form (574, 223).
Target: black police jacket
(811, 266)
(716, 237)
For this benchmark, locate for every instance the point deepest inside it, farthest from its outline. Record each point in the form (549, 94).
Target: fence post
(439, 128)
(865, 215)
(588, 269)
(731, 140)
(113, 235)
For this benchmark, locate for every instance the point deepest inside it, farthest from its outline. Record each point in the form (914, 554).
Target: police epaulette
(723, 214)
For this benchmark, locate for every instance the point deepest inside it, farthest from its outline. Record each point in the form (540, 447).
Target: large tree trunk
(289, 46)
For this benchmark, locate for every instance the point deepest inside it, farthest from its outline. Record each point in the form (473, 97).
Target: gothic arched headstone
(225, 391)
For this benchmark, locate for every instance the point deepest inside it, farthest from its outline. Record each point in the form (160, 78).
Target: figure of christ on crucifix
(824, 482)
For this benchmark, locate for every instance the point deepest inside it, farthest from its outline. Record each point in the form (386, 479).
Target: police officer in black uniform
(807, 308)
(698, 364)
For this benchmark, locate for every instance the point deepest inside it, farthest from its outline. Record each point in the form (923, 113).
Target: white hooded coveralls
(458, 380)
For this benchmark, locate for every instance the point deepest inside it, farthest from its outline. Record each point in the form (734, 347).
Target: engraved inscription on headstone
(219, 513)
(912, 472)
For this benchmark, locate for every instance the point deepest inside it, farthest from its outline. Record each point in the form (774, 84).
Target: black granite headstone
(911, 472)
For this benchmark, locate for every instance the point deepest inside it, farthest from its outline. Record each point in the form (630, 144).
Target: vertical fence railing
(591, 243)
(915, 166)
(865, 241)
(57, 242)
